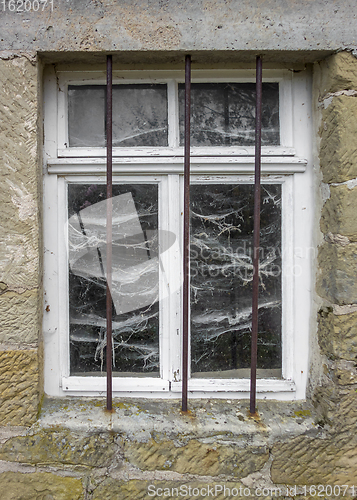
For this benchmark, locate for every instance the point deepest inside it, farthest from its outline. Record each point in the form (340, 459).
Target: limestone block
(339, 212)
(325, 459)
(20, 194)
(338, 148)
(112, 489)
(196, 457)
(20, 317)
(95, 450)
(338, 72)
(19, 387)
(305, 460)
(337, 279)
(338, 335)
(39, 486)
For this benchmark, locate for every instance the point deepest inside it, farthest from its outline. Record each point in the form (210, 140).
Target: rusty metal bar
(109, 120)
(258, 134)
(186, 234)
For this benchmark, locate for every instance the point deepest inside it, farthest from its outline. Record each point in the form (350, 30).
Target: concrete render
(290, 30)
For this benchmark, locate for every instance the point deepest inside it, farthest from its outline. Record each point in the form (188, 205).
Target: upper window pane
(139, 115)
(223, 114)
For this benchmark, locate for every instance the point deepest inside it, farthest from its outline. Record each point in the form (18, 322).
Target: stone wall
(75, 450)
(20, 275)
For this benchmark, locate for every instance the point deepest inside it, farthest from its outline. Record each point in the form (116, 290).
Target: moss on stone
(39, 486)
(62, 447)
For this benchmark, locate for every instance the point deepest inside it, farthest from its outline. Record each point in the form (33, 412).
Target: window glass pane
(221, 280)
(223, 114)
(139, 115)
(86, 115)
(135, 277)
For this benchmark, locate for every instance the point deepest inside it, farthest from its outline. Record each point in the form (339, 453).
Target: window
(147, 233)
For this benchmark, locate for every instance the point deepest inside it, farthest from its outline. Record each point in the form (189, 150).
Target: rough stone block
(19, 387)
(20, 317)
(39, 486)
(338, 72)
(338, 147)
(20, 193)
(112, 489)
(65, 447)
(196, 457)
(305, 460)
(338, 335)
(328, 458)
(339, 212)
(346, 376)
(337, 280)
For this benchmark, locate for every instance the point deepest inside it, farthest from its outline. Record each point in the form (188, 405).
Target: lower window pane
(221, 280)
(135, 279)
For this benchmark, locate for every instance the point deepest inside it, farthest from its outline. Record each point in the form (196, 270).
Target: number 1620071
(26, 5)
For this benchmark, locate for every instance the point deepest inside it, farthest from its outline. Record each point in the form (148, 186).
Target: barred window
(147, 199)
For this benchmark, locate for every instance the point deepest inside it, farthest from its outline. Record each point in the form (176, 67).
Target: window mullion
(172, 114)
(171, 282)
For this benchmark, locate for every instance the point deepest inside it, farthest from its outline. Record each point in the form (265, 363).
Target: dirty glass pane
(223, 114)
(86, 115)
(135, 279)
(221, 280)
(139, 115)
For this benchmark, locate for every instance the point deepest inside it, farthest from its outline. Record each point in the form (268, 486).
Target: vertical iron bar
(109, 117)
(186, 232)
(258, 133)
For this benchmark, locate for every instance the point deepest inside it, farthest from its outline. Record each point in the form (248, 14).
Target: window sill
(203, 388)
(216, 420)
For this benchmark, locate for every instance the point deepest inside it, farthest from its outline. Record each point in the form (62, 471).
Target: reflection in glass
(221, 280)
(135, 288)
(223, 114)
(139, 115)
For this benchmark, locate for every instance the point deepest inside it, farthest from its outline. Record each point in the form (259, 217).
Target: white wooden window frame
(289, 164)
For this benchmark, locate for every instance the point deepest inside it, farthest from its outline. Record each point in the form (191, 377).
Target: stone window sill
(212, 419)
